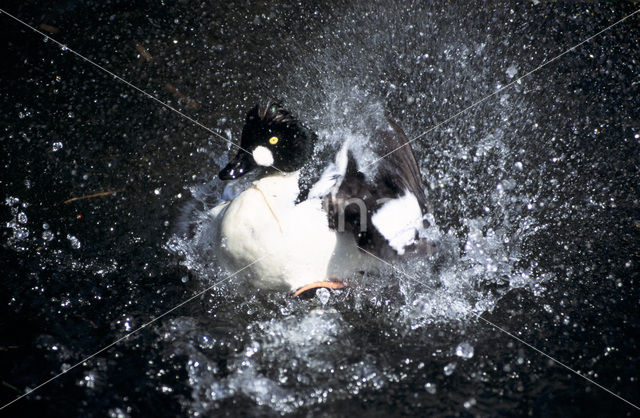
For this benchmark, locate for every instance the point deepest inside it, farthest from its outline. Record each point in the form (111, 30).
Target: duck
(289, 235)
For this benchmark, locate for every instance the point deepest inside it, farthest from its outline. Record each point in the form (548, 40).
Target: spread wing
(385, 211)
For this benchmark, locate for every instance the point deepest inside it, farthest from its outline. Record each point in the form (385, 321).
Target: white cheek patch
(263, 156)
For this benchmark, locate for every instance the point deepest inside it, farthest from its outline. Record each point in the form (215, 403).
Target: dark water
(535, 195)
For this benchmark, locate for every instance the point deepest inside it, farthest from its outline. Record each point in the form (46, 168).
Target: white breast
(294, 241)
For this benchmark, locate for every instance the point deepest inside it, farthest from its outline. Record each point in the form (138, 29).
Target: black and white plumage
(346, 216)
(393, 197)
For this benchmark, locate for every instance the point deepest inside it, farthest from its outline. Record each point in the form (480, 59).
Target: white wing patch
(262, 156)
(398, 220)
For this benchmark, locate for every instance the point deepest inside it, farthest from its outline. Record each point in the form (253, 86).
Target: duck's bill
(241, 164)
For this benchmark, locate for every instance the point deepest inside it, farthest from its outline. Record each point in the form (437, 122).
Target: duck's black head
(273, 139)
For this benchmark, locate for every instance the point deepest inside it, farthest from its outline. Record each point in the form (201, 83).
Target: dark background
(574, 125)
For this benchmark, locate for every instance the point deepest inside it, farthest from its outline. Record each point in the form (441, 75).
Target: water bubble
(430, 387)
(323, 295)
(22, 218)
(512, 71)
(157, 191)
(464, 350)
(75, 242)
(449, 368)
(57, 146)
(518, 165)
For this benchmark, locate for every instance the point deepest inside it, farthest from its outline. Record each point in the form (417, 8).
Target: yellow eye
(273, 140)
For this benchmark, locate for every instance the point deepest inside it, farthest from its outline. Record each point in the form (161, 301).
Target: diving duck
(316, 235)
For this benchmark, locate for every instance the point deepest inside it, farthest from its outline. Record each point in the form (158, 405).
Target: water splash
(475, 173)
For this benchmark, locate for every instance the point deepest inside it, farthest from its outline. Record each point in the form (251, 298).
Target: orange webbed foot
(315, 285)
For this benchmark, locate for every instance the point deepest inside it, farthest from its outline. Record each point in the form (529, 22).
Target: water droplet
(19, 232)
(47, 235)
(75, 242)
(449, 368)
(430, 387)
(323, 295)
(57, 146)
(518, 165)
(468, 404)
(464, 350)
(157, 191)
